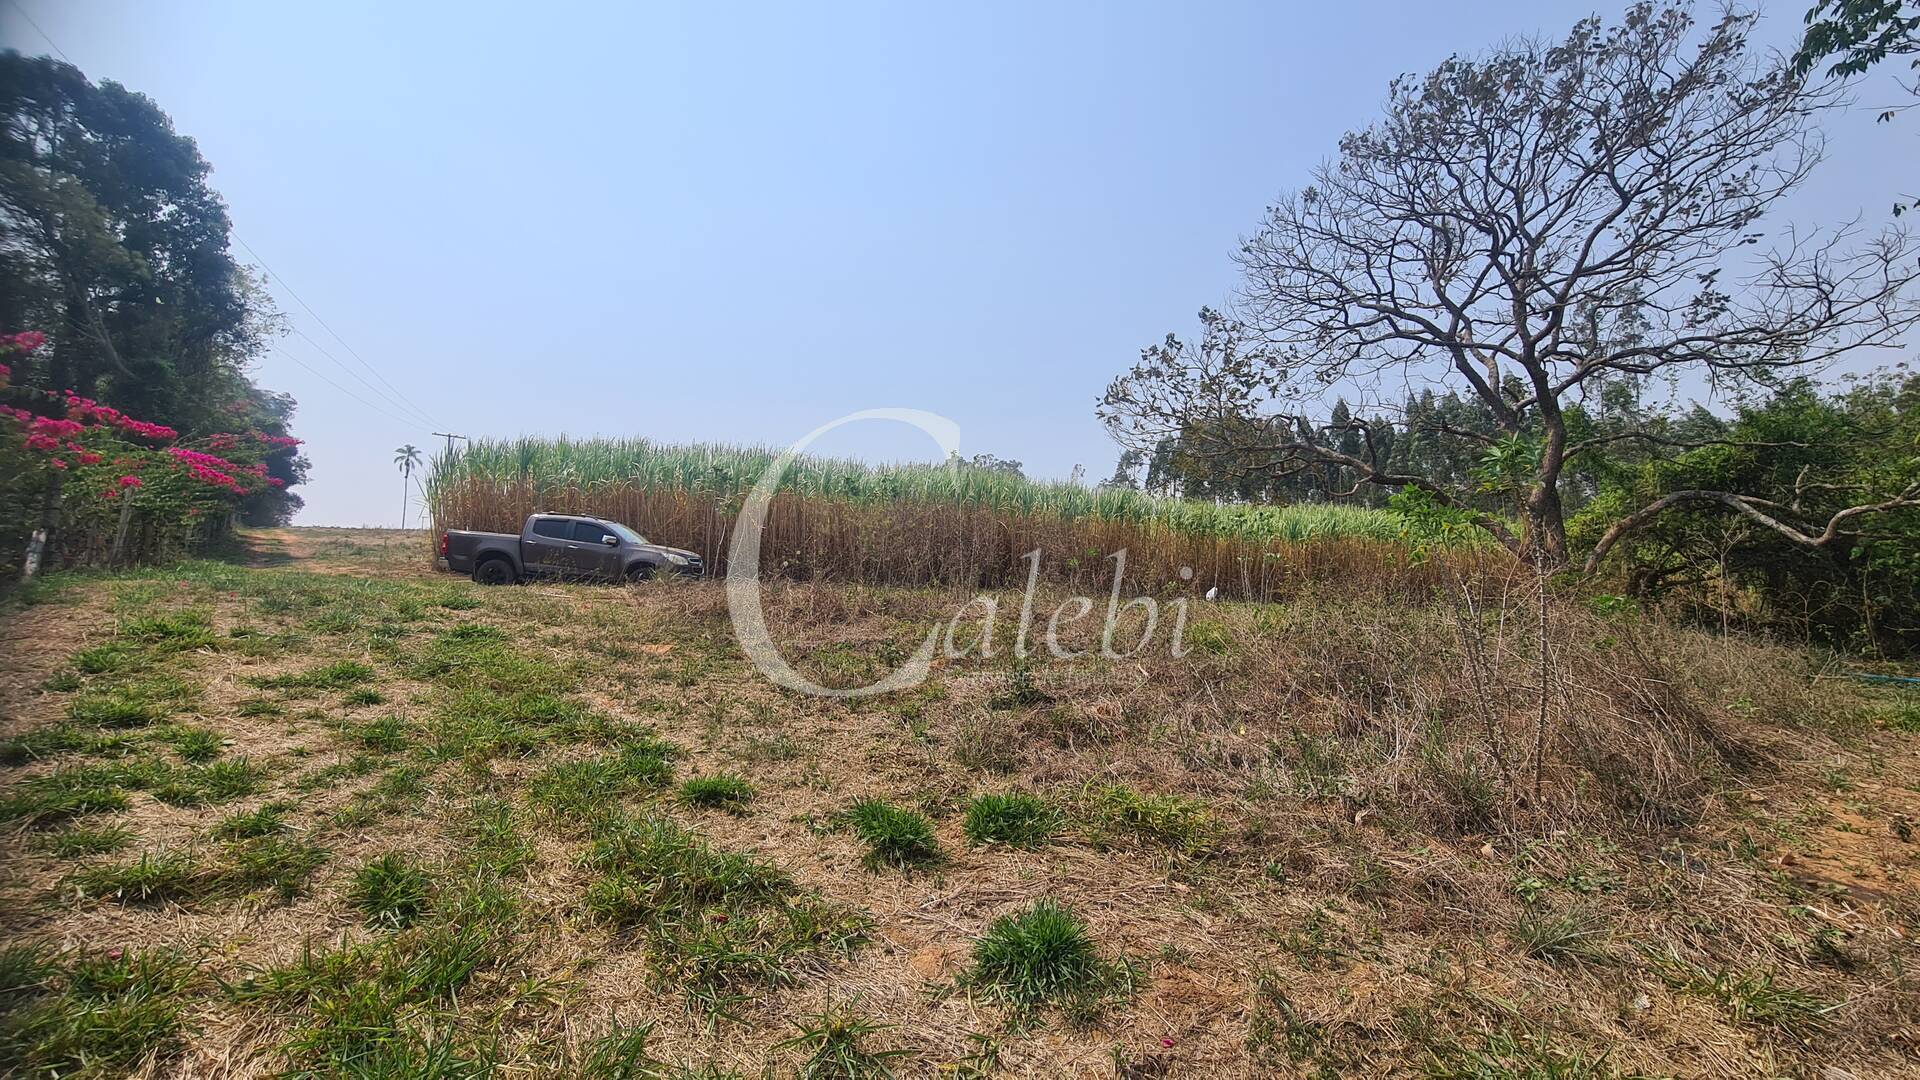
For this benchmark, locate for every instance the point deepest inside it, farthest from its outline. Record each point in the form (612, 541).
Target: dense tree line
(115, 247)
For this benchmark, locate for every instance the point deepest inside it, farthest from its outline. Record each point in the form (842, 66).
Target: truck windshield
(626, 534)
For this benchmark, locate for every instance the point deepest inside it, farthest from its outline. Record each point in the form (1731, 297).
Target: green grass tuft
(893, 836)
(268, 820)
(834, 1042)
(1183, 825)
(1013, 818)
(722, 791)
(209, 785)
(81, 841)
(391, 893)
(117, 708)
(337, 675)
(586, 789)
(195, 745)
(1044, 955)
(91, 1015)
(153, 878)
(715, 922)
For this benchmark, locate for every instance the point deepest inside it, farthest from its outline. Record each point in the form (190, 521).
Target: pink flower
(91, 459)
(130, 481)
(1168, 1043)
(58, 463)
(25, 340)
(5, 374)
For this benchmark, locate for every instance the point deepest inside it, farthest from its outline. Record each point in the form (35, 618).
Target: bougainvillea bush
(90, 461)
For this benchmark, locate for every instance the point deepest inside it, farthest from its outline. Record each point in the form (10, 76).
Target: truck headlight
(677, 560)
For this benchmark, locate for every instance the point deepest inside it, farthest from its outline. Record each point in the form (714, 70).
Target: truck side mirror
(610, 541)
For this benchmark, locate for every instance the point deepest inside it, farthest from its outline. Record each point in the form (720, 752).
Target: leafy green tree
(114, 243)
(1828, 533)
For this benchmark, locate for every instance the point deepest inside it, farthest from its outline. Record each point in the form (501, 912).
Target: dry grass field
(322, 811)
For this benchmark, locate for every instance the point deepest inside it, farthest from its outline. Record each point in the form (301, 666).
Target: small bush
(391, 893)
(1013, 818)
(893, 836)
(723, 791)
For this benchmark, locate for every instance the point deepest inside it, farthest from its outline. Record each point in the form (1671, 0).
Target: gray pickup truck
(563, 546)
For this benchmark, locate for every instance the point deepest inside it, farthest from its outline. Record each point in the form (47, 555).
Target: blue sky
(691, 223)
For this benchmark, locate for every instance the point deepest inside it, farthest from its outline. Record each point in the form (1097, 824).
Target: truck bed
(462, 543)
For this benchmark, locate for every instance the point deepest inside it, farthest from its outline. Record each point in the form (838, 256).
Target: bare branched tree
(1522, 227)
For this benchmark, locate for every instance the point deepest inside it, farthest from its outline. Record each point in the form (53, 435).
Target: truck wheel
(639, 572)
(494, 572)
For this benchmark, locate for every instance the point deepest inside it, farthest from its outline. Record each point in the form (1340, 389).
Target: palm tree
(408, 458)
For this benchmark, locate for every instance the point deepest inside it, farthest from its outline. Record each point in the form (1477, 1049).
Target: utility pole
(449, 436)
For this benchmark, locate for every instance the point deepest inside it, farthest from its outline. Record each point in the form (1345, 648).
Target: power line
(394, 397)
(37, 30)
(336, 335)
(316, 374)
(418, 416)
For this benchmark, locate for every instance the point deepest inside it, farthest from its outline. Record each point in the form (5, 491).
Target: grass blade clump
(590, 788)
(1044, 955)
(835, 1047)
(391, 893)
(90, 1015)
(723, 791)
(893, 836)
(714, 922)
(1013, 818)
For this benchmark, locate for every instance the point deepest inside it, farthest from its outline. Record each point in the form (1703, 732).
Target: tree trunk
(43, 537)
